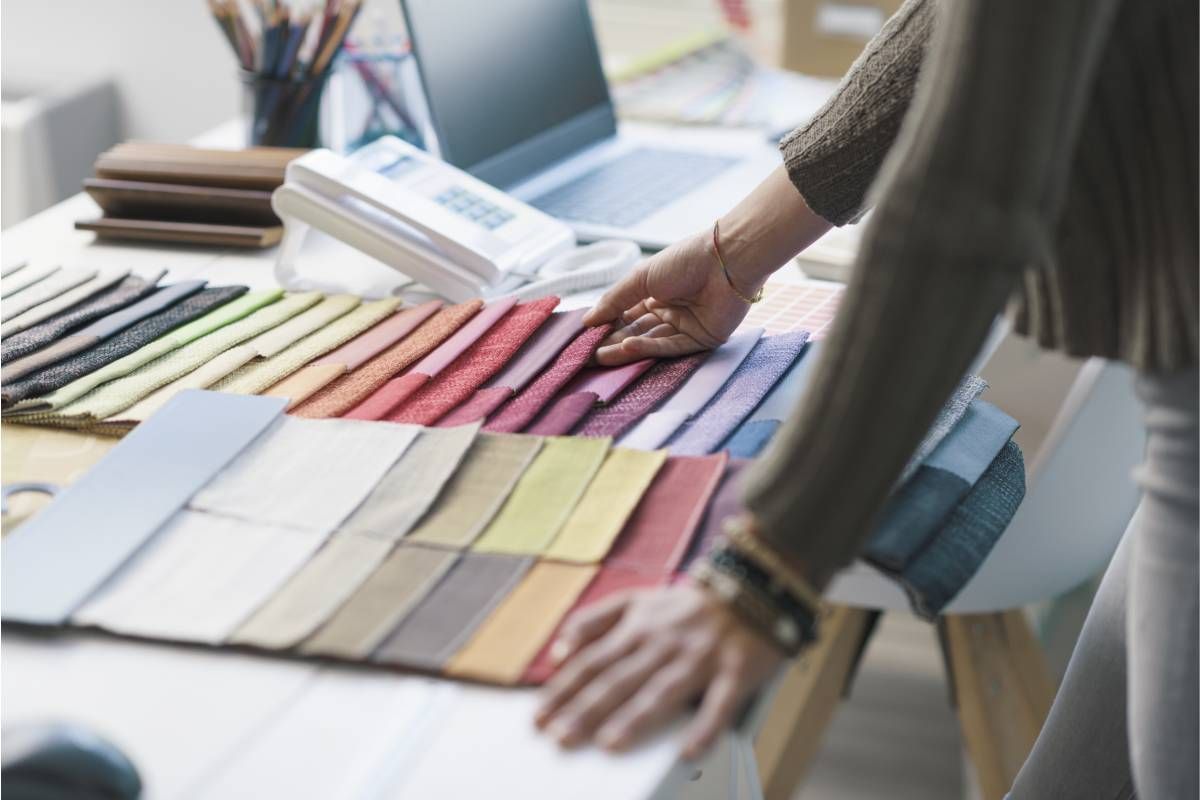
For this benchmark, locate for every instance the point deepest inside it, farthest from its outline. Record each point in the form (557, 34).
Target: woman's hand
(635, 660)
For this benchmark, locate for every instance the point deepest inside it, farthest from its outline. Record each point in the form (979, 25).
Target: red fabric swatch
(564, 414)
(480, 361)
(518, 412)
(657, 536)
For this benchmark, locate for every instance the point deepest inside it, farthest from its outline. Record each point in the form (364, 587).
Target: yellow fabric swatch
(510, 638)
(610, 498)
(545, 496)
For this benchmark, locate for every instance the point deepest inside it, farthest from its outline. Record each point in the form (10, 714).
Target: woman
(1047, 156)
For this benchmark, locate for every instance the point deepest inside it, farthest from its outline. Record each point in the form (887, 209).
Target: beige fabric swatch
(516, 630)
(472, 497)
(23, 279)
(314, 593)
(609, 500)
(309, 474)
(45, 291)
(545, 496)
(381, 602)
(410, 487)
(44, 311)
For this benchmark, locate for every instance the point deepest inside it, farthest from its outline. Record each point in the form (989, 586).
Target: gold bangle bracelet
(724, 269)
(738, 535)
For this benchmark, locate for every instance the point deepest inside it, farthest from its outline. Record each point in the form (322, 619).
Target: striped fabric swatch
(25, 277)
(658, 426)
(475, 365)
(505, 644)
(126, 342)
(47, 409)
(398, 389)
(264, 377)
(607, 504)
(519, 412)
(103, 328)
(469, 501)
(53, 286)
(524, 367)
(769, 359)
(265, 345)
(384, 600)
(726, 502)
(305, 474)
(657, 384)
(346, 392)
(128, 291)
(410, 487)
(450, 614)
(122, 393)
(544, 497)
(44, 311)
(657, 536)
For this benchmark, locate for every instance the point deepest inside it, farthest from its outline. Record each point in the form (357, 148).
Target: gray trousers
(1125, 721)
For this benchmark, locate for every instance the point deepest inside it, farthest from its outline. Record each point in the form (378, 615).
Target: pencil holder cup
(283, 112)
(372, 95)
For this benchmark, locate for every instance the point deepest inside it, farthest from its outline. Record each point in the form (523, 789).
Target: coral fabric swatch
(544, 497)
(475, 493)
(606, 505)
(516, 630)
(651, 389)
(657, 536)
(361, 349)
(517, 413)
(457, 382)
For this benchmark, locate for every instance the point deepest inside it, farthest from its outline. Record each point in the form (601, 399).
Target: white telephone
(453, 233)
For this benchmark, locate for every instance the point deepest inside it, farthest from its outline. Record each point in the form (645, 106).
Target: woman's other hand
(634, 661)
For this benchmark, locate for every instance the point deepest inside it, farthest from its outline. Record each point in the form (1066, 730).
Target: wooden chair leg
(806, 699)
(1001, 689)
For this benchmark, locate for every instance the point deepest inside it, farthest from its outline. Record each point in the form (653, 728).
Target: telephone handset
(436, 224)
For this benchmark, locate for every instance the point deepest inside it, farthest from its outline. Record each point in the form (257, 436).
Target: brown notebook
(183, 232)
(251, 168)
(180, 203)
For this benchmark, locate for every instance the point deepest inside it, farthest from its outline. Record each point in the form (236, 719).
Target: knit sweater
(1041, 154)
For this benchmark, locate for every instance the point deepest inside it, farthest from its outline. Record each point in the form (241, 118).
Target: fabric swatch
(124, 343)
(519, 412)
(608, 382)
(968, 389)
(268, 376)
(361, 349)
(314, 592)
(382, 601)
(456, 383)
(24, 278)
(396, 391)
(256, 350)
(44, 291)
(122, 393)
(607, 504)
(44, 311)
(128, 291)
(46, 408)
(726, 502)
(784, 398)
(7, 269)
(510, 638)
(925, 501)
(751, 437)
(449, 615)
(199, 578)
(939, 572)
(658, 535)
(345, 393)
(101, 329)
(305, 474)
(544, 497)
(769, 359)
(608, 581)
(410, 487)
(657, 384)
(564, 414)
(658, 426)
(471, 498)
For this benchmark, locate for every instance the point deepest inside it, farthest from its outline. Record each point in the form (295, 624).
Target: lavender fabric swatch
(563, 415)
(769, 359)
(751, 437)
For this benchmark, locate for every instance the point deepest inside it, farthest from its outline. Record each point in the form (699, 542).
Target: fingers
(638, 347)
(587, 624)
(628, 292)
(607, 691)
(580, 671)
(639, 324)
(716, 712)
(655, 704)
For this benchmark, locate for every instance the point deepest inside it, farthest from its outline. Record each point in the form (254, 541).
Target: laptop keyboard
(626, 190)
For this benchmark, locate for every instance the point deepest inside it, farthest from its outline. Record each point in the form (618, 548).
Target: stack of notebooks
(183, 194)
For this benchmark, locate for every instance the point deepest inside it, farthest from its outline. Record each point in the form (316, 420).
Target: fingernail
(559, 651)
(612, 739)
(565, 734)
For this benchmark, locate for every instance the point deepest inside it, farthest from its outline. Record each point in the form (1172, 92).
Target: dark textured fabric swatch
(127, 291)
(122, 344)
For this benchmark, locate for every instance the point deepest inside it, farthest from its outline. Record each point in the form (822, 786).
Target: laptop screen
(512, 85)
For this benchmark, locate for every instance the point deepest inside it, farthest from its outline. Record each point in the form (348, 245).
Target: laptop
(517, 97)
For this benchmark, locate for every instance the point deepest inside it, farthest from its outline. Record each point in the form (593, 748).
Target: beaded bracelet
(750, 607)
(740, 537)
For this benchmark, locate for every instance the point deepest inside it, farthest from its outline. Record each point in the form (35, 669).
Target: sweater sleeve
(968, 199)
(834, 157)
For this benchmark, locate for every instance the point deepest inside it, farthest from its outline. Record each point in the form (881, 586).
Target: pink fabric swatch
(608, 382)
(563, 415)
(366, 346)
(388, 396)
(659, 383)
(479, 407)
